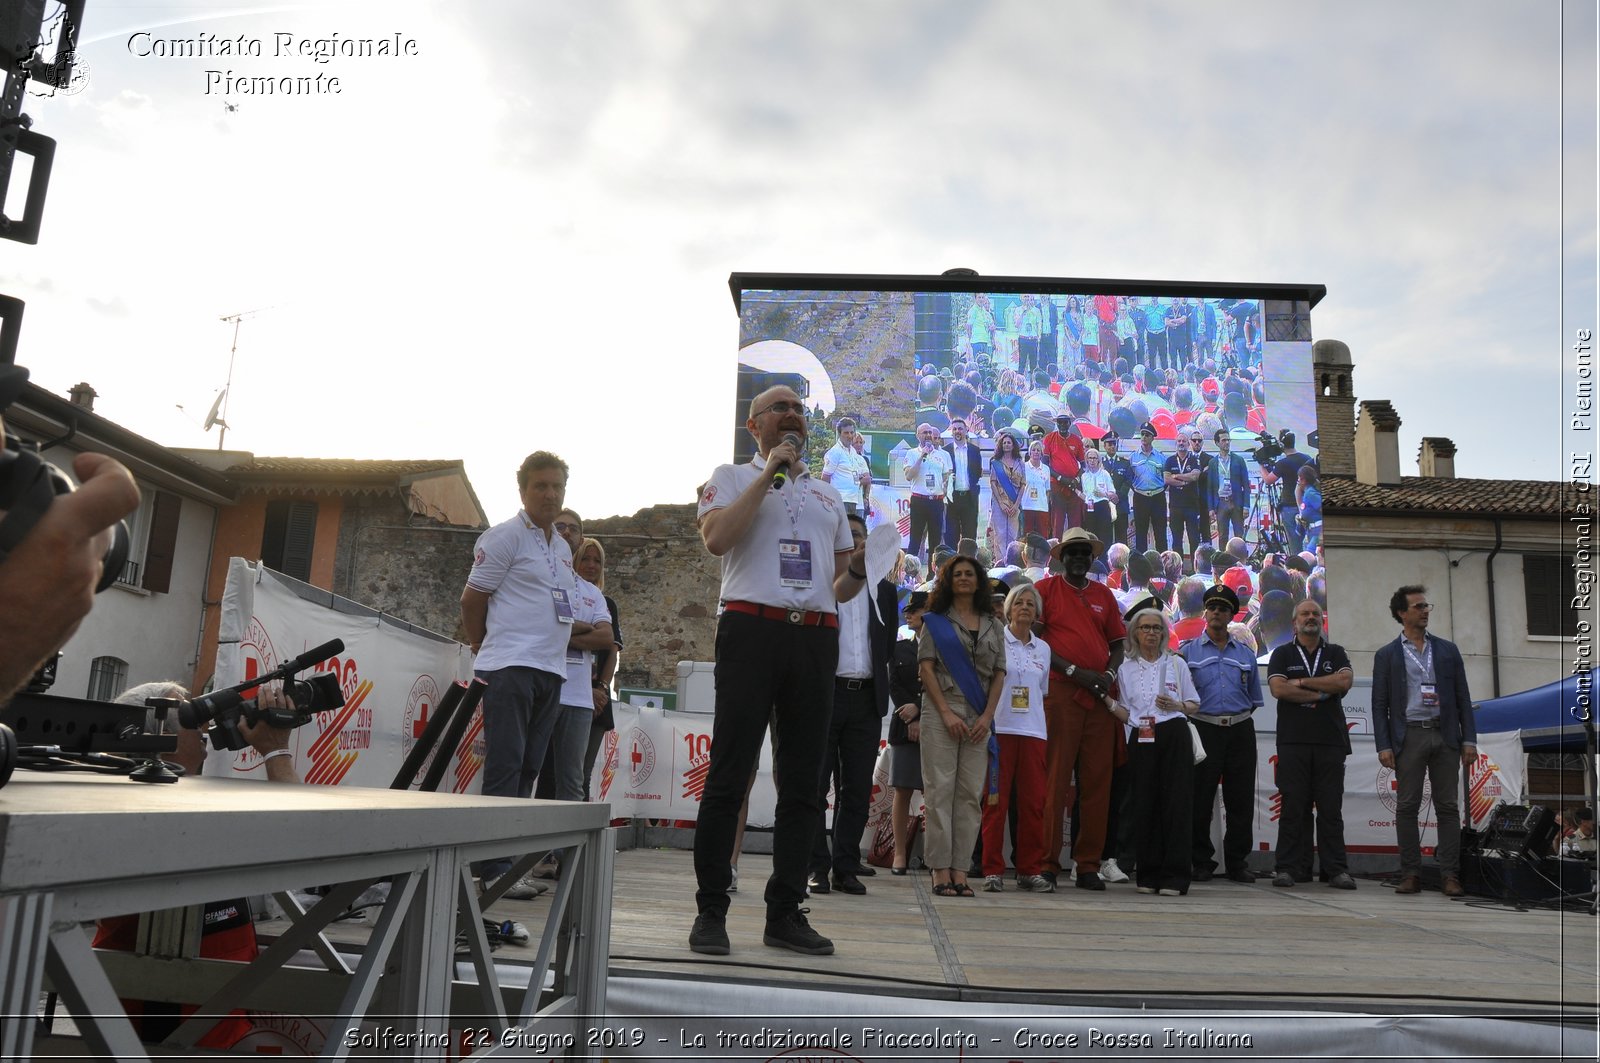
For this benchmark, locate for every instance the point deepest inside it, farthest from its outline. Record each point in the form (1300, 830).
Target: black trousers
(1183, 517)
(765, 669)
(1310, 775)
(1149, 513)
(961, 517)
(1230, 760)
(847, 762)
(1163, 793)
(927, 523)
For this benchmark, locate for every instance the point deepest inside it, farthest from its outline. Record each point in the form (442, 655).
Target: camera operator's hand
(47, 583)
(266, 738)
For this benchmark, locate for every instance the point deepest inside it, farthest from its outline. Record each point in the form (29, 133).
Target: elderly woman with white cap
(1158, 695)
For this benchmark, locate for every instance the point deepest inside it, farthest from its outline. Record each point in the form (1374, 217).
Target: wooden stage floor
(1224, 944)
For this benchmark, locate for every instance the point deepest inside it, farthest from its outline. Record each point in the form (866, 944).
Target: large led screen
(989, 422)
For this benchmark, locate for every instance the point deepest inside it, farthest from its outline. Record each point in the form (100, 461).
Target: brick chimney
(1437, 457)
(83, 396)
(1377, 443)
(1336, 408)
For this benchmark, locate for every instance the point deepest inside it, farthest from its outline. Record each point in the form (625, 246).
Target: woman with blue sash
(1006, 481)
(961, 658)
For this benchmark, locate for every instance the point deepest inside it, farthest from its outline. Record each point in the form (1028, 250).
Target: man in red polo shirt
(1063, 453)
(1082, 625)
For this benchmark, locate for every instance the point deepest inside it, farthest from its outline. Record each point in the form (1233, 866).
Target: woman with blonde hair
(1157, 696)
(1017, 773)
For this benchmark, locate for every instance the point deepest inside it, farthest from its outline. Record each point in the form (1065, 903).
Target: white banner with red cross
(391, 679)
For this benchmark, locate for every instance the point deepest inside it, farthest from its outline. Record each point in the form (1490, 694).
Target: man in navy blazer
(1227, 489)
(1422, 723)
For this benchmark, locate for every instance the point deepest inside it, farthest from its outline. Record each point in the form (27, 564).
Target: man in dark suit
(860, 702)
(1227, 492)
(966, 464)
(1422, 724)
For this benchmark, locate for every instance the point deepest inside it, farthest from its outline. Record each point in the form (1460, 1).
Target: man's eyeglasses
(565, 526)
(1424, 606)
(1080, 551)
(783, 407)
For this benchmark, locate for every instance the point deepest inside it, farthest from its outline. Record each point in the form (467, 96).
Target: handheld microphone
(781, 476)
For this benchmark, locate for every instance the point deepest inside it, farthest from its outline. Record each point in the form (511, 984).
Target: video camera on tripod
(1269, 447)
(220, 712)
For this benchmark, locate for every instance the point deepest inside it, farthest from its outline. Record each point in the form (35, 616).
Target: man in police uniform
(1309, 676)
(1229, 685)
(787, 562)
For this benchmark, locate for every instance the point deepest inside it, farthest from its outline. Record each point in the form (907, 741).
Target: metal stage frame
(75, 848)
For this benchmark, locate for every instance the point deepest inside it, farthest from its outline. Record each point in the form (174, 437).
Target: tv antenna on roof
(219, 408)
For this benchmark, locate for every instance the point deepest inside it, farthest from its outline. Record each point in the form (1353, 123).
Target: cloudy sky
(520, 237)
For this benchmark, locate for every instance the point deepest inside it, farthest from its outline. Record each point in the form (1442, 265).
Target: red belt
(801, 617)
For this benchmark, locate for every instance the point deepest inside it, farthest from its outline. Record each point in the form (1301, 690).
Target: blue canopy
(1550, 717)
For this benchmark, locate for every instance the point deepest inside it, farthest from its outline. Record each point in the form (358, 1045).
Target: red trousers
(1085, 739)
(1022, 766)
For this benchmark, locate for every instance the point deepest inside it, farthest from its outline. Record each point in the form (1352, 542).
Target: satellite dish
(212, 417)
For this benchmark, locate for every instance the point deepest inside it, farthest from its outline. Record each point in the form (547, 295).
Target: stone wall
(392, 560)
(666, 586)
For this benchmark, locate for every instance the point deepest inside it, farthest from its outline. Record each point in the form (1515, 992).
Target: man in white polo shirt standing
(847, 470)
(787, 561)
(517, 611)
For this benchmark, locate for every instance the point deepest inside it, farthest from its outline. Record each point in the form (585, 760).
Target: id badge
(1147, 729)
(1244, 681)
(574, 656)
(1430, 695)
(1019, 699)
(928, 481)
(563, 605)
(794, 562)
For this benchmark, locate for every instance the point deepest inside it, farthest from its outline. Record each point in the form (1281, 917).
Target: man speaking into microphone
(787, 561)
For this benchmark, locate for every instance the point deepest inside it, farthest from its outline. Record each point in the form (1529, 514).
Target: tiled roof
(280, 468)
(1447, 495)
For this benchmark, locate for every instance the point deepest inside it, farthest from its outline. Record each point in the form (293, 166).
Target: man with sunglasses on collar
(788, 560)
(1309, 675)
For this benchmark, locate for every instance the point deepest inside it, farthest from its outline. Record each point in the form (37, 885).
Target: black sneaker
(1050, 877)
(793, 932)
(848, 884)
(1201, 874)
(710, 935)
(1242, 875)
(1090, 880)
(818, 883)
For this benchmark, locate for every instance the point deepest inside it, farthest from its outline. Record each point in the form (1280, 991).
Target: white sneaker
(514, 932)
(733, 887)
(1110, 872)
(993, 884)
(527, 888)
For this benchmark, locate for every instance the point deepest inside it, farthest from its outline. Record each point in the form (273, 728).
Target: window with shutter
(163, 545)
(287, 538)
(1549, 585)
